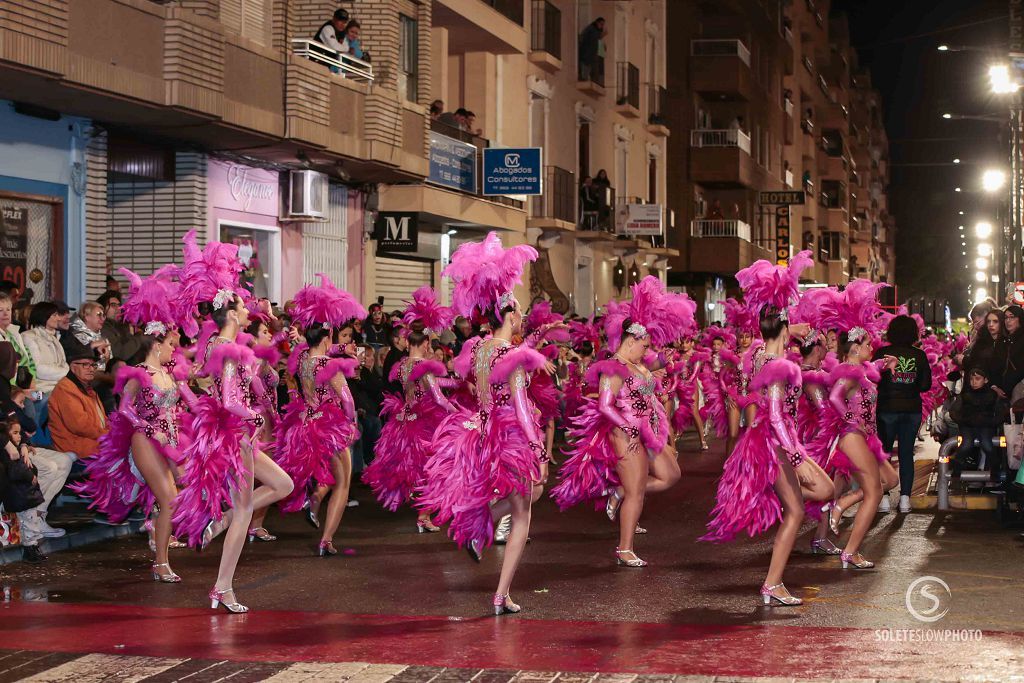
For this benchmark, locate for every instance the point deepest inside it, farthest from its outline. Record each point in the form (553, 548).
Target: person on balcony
(351, 35)
(332, 34)
(715, 212)
(590, 49)
(589, 204)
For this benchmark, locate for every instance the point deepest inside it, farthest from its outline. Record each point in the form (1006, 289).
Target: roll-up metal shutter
(398, 278)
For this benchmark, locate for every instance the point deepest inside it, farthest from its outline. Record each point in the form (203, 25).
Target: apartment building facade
(768, 98)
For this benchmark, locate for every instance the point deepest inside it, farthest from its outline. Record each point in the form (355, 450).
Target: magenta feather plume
(856, 306)
(484, 271)
(812, 306)
(209, 270)
(766, 284)
(713, 332)
(425, 310)
(740, 317)
(325, 304)
(149, 299)
(580, 332)
(666, 316)
(541, 314)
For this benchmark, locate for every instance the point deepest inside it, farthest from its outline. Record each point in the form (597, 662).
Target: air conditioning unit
(307, 195)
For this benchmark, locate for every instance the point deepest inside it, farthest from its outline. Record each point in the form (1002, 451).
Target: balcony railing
(546, 28)
(346, 65)
(808, 64)
(598, 215)
(704, 47)
(731, 137)
(627, 85)
(592, 72)
(559, 198)
(657, 105)
(511, 9)
(720, 228)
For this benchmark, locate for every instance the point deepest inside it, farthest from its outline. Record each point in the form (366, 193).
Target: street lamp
(980, 276)
(984, 249)
(956, 189)
(981, 263)
(992, 180)
(1001, 81)
(956, 161)
(983, 229)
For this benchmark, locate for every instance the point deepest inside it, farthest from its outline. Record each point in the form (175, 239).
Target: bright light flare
(993, 180)
(983, 229)
(1000, 80)
(981, 263)
(980, 276)
(984, 249)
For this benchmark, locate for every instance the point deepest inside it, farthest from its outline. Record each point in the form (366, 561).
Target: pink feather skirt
(545, 397)
(214, 468)
(403, 450)
(686, 392)
(746, 500)
(589, 469)
(714, 410)
(307, 443)
(475, 462)
(112, 486)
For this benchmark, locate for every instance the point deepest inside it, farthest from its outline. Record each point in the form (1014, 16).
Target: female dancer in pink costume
(139, 453)
(619, 444)
(850, 426)
(585, 339)
(745, 323)
(487, 463)
(545, 329)
(768, 476)
(405, 442)
(223, 458)
(267, 358)
(718, 379)
(687, 389)
(319, 423)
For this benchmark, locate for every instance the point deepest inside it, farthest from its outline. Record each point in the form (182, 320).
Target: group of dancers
(200, 443)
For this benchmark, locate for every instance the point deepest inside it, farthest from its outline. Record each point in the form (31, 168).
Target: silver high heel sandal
(217, 600)
(849, 561)
(833, 520)
(171, 577)
(823, 546)
(503, 605)
(633, 561)
(611, 506)
(770, 595)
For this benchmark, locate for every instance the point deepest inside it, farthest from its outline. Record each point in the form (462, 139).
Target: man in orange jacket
(77, 419)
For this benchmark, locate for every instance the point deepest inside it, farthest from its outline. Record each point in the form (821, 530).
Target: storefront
(42, 209)
(244, 209)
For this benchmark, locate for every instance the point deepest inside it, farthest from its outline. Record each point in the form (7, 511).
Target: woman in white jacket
(43, 343)
(10, 332)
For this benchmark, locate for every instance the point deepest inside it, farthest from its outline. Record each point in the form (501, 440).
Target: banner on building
(396, 231)
(512, 171)
(452, 163)
(13, 243)
(782, 197)
(639, 220)
(782, 234)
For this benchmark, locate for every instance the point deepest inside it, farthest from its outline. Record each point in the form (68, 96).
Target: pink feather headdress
(766, 284)
(740, 317)
(588, 331)
(484, 274)
(210, 274)
(426, 311)
(652, 312)
(811, 309)
(713, 332)
(325, 305)
(541, 314)
(856, 310)
(153, 303)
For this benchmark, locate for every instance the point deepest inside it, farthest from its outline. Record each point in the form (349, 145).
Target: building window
(408, 49)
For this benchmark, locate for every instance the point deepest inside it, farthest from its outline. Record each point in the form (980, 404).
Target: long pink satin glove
(606, 406)
(344, 394)
(434, 387)
(187, 395)
(782, 427)
(448, 382)
(837, 399)
(526, 414)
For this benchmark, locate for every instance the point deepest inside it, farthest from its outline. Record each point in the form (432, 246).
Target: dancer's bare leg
(238, 527)
(733, 413)
(787, 488)
(520, 509)
(160, 479)
(275, 483)
(664, 470)
(869, 480)
(814, 483)
(341, 467)
(698, 422)
(633, 469)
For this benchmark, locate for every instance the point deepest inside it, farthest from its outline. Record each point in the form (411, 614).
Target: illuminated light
(1000, 79)
(959, 227)
(956, 189)
(943, 48)
(956, 161)
(980, 295)
(983, 229)
(980, 276)
(960, 212)
(965, 254)
(993, 180)
(947, 116)
(984, 249)
(981, 263)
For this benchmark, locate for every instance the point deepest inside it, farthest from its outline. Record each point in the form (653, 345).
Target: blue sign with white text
(452, 163)
(512, 171)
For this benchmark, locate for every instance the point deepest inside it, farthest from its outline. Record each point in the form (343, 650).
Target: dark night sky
(898, 41)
